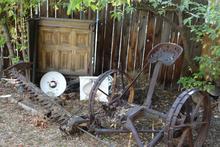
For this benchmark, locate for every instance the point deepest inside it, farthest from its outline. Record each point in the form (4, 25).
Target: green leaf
(2, 41)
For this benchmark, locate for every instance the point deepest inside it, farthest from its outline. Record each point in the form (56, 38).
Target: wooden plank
(112, 42)
(68, 23)
(133, 38)
(165, 37)
(128, 39)
(150, 40)
(136, 54)
(130, 49)
(119, 66)
(105, 44)
(141, 43)
(144, 41)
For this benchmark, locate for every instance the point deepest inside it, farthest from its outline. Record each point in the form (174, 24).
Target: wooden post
(136, 43)
(120, 42)
(96, 41)
(47, 8)
(104, 35)
(112, 44)
(144, 39)
(128, 45)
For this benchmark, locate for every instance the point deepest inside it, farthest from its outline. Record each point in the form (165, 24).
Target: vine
(13, 19)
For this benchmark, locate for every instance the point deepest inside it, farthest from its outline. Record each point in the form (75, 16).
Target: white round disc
(53, 83)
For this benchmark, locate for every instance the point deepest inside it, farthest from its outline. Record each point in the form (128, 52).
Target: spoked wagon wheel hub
(119, 90)
(188, 120)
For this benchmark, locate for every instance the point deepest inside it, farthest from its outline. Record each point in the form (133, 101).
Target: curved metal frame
(164, 53)
(175, 111)
(98, 82)
(167, 54)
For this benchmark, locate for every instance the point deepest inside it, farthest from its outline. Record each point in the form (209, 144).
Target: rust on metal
(177, 122)
(186, 123)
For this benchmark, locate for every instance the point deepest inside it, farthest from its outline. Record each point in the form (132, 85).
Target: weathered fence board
(122, 43)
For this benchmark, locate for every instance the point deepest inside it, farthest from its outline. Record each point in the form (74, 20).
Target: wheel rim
(119, 82)
(188, 120)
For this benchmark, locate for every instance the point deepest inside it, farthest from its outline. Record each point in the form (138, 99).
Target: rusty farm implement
(185, 124)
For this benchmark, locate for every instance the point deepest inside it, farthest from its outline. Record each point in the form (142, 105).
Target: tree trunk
(8, 39)
(186, 45)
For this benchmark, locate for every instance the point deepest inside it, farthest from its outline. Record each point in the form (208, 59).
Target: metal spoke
(189, 124)
(182, 139)
(103, 92)
(190, 137)
(196, 109)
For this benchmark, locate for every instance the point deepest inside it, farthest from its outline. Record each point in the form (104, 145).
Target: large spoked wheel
(119, 90)
(188, 120)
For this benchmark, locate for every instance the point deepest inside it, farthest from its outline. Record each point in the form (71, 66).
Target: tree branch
(168, 20)
(7, 38)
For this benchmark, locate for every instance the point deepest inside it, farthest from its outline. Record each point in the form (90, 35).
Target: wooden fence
(123, 44)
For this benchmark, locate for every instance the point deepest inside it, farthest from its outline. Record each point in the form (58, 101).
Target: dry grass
(20, 128)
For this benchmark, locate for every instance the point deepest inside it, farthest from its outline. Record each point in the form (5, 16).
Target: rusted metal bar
(130, 126)
(152, 84)
(156, 139)
(156, 114)
(104, 131)
(98, 139)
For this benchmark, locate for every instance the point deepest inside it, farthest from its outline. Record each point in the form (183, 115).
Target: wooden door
(65, 45)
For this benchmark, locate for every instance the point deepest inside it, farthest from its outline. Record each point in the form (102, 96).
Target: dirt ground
(19, 128)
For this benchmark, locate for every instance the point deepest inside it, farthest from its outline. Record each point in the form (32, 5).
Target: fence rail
(124, 43)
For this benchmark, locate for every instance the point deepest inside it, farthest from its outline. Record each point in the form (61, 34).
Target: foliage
(209, 64)
(203, 21)
(96, 5)
(15, 60)
(196, 81)
(13, 14)
(2, 41)
(208, 34)
(201, 18)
